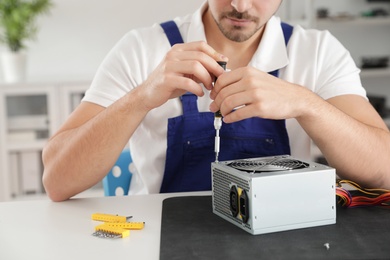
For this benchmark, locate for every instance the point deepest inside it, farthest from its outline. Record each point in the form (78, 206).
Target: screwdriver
(218, 121)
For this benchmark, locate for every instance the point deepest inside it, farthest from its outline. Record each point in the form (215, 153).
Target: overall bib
(190, 147)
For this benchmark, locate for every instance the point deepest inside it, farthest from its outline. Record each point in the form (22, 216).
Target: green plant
(17, 21)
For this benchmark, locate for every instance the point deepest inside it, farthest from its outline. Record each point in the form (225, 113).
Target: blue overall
(190, 147)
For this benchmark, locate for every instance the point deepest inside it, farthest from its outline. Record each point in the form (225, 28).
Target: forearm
(77, 158)
(358, 150)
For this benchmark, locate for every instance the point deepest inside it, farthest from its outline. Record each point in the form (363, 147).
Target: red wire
(346, 199)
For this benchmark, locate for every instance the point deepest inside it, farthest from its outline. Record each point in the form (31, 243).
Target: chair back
(117, 181)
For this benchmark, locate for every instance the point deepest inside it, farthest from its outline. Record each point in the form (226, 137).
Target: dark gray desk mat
(191, 231)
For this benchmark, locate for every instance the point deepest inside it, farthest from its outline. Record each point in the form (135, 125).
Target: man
(145, 90)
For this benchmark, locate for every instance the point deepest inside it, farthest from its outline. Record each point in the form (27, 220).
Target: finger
(226, 98)
(231, 102)
(201, 46)
(185, 84)
(195, 59)
(239, 114)
(191, 69)
(224, 80)
(203, 53)
(235, 102)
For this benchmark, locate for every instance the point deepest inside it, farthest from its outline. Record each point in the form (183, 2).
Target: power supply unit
(271, 194)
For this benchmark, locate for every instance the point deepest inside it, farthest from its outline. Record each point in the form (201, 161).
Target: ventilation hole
(119, 191)
(116, 171)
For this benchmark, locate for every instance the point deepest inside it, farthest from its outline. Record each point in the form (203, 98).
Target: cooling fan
(270, 194)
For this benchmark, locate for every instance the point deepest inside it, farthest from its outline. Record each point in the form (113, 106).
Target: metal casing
(277, 199)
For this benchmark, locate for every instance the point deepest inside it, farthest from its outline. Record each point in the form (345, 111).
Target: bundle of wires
(360, 197)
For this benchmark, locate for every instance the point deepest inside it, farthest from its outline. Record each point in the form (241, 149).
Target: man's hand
(181, 70)
(247, 92)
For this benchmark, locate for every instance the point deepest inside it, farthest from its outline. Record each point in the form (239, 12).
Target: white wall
(77, 34)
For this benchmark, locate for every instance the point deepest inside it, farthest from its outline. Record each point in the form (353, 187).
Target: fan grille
(261, 165)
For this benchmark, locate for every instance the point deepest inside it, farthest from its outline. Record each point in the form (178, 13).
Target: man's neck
(239, 53)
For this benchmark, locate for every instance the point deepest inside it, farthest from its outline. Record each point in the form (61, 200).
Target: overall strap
(172, 32)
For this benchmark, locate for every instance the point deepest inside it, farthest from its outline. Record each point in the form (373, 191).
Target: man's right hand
(182, 69)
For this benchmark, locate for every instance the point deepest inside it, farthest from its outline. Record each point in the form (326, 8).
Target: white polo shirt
(314, 59)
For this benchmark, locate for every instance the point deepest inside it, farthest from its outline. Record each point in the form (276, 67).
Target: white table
(62, 230)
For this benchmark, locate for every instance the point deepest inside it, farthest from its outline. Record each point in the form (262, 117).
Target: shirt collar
(269, 56)
(272, 52)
